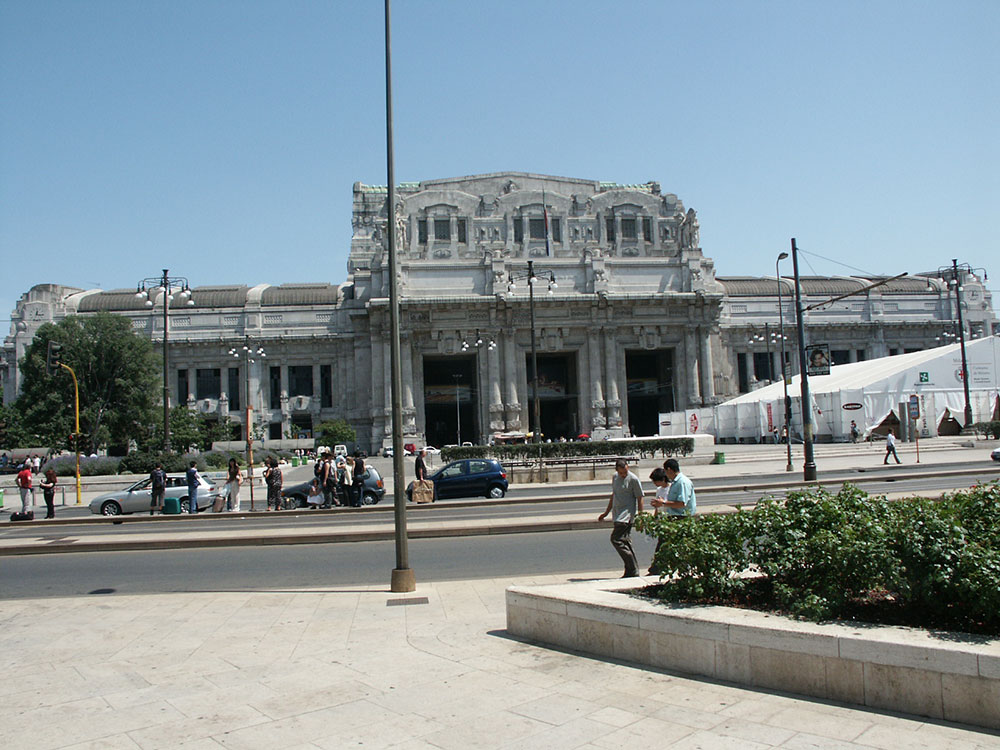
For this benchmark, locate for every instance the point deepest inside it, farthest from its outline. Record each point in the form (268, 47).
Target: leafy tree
(190, 430)
(335, 431)
(12, 432)
(118, 376)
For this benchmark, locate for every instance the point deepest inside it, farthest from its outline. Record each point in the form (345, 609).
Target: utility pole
(809, 465)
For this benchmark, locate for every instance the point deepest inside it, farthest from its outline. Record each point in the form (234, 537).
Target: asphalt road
(560, 500)
(309, 565)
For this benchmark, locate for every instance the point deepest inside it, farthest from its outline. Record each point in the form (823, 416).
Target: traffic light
(54, 358)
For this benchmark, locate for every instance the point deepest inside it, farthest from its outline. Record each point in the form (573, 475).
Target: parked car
(995, 455)
(135, 499)
(469, 477)
(387, 452)
(431, 450)
(374, 490)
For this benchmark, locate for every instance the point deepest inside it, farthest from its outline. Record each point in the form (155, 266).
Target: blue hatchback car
(469, 477)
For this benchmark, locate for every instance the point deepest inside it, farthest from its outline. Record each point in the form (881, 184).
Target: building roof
(818, 286)
(301, 294)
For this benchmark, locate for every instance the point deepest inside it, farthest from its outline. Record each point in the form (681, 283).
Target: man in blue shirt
(625, 501)
(681, 499)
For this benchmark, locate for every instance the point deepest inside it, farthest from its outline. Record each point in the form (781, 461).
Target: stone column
(612, 402)
(691, 355)
(597, 419)
(705, 367)
(406, 352)
(377, 385)
(496, 421)
(512, 407)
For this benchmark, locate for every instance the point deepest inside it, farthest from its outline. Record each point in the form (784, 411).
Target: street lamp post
(404, 578)
(809, 465)
(458, 405)
(531, 278)
(784, 375)
(164, 286)
(247, 351)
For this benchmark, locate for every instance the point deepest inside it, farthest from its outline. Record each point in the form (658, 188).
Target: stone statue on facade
(689, 233)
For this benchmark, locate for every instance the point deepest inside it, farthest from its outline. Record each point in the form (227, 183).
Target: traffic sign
(914, 407)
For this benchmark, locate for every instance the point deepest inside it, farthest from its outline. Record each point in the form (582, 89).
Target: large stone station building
(628, 318)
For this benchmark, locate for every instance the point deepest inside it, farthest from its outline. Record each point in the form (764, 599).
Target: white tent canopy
(869, 391)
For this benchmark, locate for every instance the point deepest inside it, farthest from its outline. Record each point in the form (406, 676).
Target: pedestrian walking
(48, 485)
(624, 503)
(890, 447)
(24, 486)
(855, 432)
(193, 480)
(675, 497)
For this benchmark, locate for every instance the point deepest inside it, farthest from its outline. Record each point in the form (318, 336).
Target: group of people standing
(25, 486)
(675, 497)
(338, 481)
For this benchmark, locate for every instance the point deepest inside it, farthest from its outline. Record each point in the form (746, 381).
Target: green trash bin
(171, 506)
(720, 458)
(295, 461)
(1, 497)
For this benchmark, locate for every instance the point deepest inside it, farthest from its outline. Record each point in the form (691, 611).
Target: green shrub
(848, 555)
(989, 429)
(581, 449)
(220, 459)
(173, 463)
(65, 466)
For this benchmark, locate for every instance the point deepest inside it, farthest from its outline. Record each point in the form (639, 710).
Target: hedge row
(664, 446)
(988, 429)
(928, 563)
(143, 462)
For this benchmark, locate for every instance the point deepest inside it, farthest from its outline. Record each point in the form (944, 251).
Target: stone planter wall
(953, 677)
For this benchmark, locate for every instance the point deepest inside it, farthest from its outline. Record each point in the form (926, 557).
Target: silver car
(136, 499)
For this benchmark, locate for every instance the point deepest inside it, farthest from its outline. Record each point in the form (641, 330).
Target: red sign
(694, 423)
(853, 406)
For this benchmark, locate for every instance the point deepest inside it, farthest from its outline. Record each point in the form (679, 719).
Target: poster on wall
(818, 359)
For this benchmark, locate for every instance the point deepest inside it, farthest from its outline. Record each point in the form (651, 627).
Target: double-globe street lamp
(248, 352)
(165, 288)
(953, 275)
(511, 287)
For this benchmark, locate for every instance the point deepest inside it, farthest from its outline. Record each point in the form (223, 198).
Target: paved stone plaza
(362, 667)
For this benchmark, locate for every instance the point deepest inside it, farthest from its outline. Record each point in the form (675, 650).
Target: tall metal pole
(784, 375)
(458, 406)
(249, 410)
(767, 345)
(166, 362)
(536, 434)
(809, 466)
(961, 341)
(403, 578)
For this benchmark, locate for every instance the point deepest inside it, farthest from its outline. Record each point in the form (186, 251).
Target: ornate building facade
(625, 315)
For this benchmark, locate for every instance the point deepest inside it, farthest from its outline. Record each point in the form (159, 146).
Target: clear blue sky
(221, 138)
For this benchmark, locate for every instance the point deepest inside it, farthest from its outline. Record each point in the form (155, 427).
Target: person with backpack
(193, 481)
(157, 488)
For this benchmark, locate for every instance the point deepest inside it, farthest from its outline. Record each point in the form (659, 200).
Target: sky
(221, 138)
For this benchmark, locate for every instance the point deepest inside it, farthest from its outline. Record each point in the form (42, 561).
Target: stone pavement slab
(347, 666)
